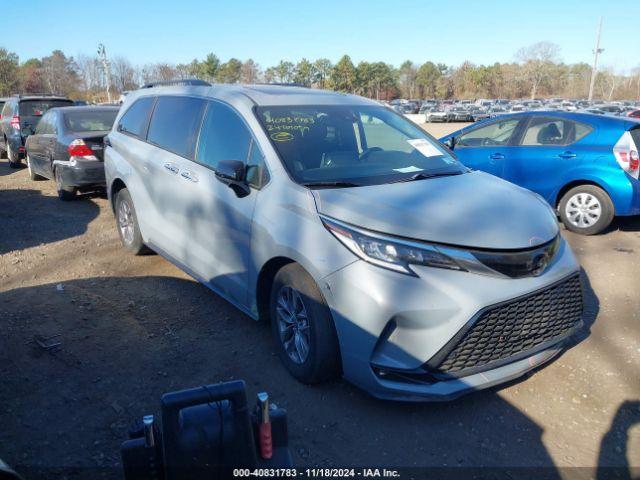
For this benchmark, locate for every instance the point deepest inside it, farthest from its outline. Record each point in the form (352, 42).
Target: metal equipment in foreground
(206, 432)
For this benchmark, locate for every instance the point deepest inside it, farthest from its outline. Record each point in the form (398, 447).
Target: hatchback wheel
(127, 222)
(302, 327)
(65, 193)
(586, 209)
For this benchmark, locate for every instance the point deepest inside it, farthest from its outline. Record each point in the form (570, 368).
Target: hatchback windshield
(359, 145)
(90, 121)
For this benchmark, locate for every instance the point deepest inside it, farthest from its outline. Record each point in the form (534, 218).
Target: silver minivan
(371, 250)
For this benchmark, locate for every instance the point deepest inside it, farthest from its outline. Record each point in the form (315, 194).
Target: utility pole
(102, 53)
(596, 53)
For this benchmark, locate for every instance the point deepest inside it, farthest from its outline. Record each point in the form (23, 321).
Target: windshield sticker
(425, 147)
(281, 136)
(410, 169)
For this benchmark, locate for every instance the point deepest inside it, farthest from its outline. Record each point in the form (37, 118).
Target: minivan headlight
(389, 253)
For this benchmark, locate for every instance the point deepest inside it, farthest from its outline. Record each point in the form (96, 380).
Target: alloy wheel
(125, 222)
(583, 210)
(293, 324)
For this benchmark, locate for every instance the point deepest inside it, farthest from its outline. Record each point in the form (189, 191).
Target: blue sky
(267, 31)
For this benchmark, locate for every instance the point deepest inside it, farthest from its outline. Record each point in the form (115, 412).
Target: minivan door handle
(172, 168)
(567, 154)
(496, 156)
(189, 175)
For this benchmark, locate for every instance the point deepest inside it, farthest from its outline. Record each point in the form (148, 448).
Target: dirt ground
(132, 328)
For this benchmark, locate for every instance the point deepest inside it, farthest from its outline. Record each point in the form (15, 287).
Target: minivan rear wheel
(586, 209)
(302, 327)
(127, 223)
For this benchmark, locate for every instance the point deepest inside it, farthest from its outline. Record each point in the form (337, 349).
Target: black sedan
(67, 146)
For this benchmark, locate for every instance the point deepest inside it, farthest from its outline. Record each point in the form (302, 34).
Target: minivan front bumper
(394, 328)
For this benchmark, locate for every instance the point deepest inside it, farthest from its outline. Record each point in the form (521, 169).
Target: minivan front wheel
(127, 222)
(302, 327)
(586, 209)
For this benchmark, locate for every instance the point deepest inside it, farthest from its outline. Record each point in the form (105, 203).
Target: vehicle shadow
(623, 224)
(125, 341)
(6, 170)
(614, 445)
(627, 224)
(49, 219)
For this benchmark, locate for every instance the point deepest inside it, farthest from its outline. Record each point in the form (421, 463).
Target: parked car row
(413, 268)
(481, 109)
(59, 139)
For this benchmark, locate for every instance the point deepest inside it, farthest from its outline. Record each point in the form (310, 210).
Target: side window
(51, 123)
(554, 131)
(6, 110)
(497, 133)
(581, 131)
(136, 118)
(175, 123)
(41, 128)
(224, 136)
(546, 131)
(257, 174)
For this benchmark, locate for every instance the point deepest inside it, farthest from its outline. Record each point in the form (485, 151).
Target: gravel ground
(132, 328)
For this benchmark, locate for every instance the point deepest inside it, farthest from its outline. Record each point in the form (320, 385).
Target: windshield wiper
(330, 184)
(424, 176)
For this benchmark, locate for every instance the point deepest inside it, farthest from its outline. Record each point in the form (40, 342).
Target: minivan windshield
(340, 145)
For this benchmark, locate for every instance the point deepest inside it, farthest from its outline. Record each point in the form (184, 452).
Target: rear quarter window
(136, 118)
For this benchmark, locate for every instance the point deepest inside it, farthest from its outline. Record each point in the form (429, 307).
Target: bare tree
(90, 73)
(123, 74)
(538, 63)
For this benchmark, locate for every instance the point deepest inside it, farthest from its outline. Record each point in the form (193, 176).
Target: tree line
(536, 71)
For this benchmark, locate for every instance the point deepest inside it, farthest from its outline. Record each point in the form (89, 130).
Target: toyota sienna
(371, 250)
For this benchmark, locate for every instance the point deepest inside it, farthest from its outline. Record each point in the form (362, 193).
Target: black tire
(3, 152)
(65, 193)
(132, 243)
(14, 161)
(32, 175)
(591, 196)
(322, 362)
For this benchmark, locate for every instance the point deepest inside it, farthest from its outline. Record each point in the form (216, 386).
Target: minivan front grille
(513, 328)
(523, 263)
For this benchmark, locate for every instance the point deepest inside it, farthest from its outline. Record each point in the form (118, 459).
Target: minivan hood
(474, 210)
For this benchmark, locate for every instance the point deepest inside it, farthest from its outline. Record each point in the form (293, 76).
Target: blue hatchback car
(584, 165)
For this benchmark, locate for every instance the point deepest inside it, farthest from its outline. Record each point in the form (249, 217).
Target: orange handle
(266, 442)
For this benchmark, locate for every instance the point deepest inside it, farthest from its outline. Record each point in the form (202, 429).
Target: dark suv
(18, 120)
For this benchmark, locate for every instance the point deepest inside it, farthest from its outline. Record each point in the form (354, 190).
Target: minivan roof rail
(283, 84)
(193, 82)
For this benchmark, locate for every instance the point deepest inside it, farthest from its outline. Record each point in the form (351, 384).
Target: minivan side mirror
(233, 174)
